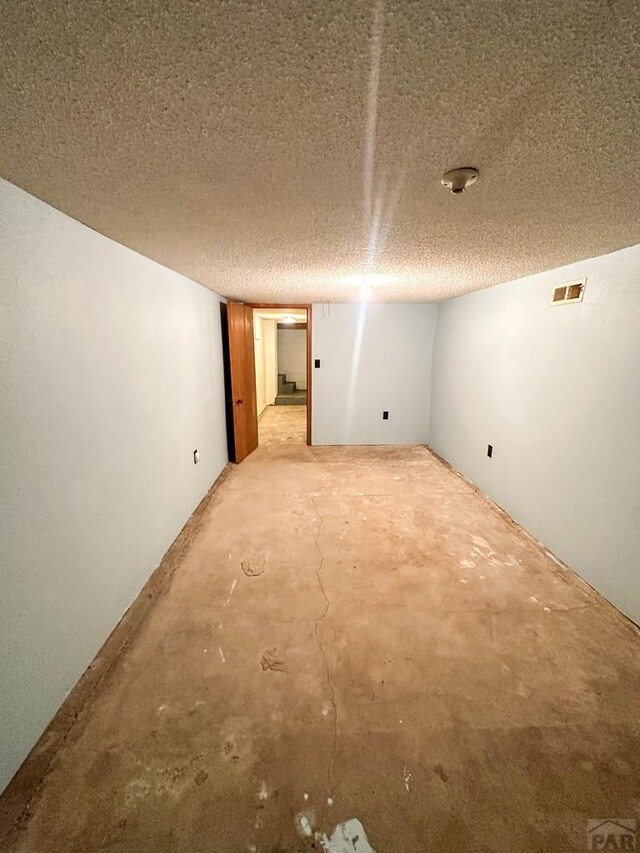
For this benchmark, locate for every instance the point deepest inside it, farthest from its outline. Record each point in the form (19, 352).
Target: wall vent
(566, 293)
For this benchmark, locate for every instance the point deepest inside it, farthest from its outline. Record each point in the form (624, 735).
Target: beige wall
(258, 342)
(269, 328)
(264, 340)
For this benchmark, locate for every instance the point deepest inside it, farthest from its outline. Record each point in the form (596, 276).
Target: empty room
(319, 426)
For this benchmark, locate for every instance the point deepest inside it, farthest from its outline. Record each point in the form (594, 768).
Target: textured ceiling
(270, 149)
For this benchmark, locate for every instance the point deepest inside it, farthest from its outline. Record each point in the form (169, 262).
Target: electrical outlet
(489, 450)
(196, 457)
(385, 416)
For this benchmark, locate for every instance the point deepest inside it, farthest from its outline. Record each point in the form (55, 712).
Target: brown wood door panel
(243, 378)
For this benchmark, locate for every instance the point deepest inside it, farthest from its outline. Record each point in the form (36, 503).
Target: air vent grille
(567, 293)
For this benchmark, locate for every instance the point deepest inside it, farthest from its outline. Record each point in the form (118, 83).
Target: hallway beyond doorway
(282, 355)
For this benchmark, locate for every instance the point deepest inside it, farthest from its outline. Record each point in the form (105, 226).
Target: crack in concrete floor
(513, 729)
(330, 684)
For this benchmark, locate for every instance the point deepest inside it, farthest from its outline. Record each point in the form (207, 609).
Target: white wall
(292, 355)
(373, 357)
(556, 390)
(111, 375)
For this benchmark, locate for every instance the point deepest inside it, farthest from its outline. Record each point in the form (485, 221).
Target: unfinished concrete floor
(354, 633)
(279, 424)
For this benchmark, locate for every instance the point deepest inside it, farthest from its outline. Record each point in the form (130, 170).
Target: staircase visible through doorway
(289, 394)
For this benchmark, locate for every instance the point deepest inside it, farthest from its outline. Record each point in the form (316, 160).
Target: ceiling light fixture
(365, 293)
(457, 180)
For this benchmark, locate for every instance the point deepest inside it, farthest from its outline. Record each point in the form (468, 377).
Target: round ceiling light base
(457, 180)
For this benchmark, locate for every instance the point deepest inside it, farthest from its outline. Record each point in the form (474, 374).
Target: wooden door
(243, 379)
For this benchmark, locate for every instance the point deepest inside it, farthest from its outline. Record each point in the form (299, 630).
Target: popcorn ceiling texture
(228, 140)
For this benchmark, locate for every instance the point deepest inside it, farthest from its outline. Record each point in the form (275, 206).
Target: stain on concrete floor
(447, 684)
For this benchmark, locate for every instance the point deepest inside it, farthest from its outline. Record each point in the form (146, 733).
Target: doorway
(267, 375)
(280, 341)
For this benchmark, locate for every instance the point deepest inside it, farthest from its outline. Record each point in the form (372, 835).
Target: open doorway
(256, 380)
(281, 350)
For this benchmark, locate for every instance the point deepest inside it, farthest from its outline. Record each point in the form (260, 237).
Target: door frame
(292, 306)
